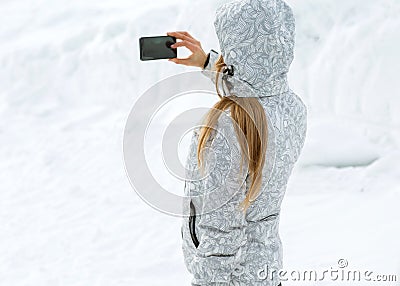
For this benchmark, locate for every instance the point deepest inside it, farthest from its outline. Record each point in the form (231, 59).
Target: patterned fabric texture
(257, 38)
(221, 245)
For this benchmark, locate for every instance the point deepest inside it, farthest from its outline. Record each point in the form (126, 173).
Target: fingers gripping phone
(156, 48)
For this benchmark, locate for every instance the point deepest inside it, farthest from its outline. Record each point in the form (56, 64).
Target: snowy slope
(70, 74)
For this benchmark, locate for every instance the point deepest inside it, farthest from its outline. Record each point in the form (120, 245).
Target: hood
(256, 37)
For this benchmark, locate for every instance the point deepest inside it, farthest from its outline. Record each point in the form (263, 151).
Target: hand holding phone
(165, 47)
(198, 56)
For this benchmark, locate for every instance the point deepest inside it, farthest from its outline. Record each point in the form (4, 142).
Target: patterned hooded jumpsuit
(225, 246)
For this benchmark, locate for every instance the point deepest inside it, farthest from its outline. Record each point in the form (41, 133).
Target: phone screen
(155, 48)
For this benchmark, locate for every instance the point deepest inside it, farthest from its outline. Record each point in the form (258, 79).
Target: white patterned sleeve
(209, 68)
(221, 230)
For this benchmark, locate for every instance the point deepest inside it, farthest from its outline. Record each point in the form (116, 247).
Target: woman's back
(244, 248)
(287, 124)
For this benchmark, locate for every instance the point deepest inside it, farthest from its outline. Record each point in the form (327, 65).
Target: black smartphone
(157, 48)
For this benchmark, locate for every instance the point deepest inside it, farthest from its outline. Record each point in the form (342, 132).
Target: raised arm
(209, 66)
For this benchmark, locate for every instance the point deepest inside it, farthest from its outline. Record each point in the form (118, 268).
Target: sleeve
(208, 69)
(221, 224)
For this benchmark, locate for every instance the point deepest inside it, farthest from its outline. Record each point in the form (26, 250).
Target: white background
(70, 73)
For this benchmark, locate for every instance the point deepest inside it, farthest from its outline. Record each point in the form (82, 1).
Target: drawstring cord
(227, 71)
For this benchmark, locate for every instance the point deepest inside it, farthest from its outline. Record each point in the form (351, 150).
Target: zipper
(192, 221)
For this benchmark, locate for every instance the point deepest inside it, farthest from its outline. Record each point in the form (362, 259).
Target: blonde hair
(250, 117)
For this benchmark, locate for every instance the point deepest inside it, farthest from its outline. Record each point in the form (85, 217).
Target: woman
(262, 123)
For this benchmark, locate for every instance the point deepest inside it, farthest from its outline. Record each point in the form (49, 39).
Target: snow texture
(70, 72)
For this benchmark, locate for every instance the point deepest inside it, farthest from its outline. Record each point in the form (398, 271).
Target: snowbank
(70, 72)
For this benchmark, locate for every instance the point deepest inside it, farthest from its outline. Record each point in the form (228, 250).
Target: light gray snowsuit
(225, 247)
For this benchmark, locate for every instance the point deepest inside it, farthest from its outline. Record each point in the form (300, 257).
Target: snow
(333, 141)
(70, 75)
